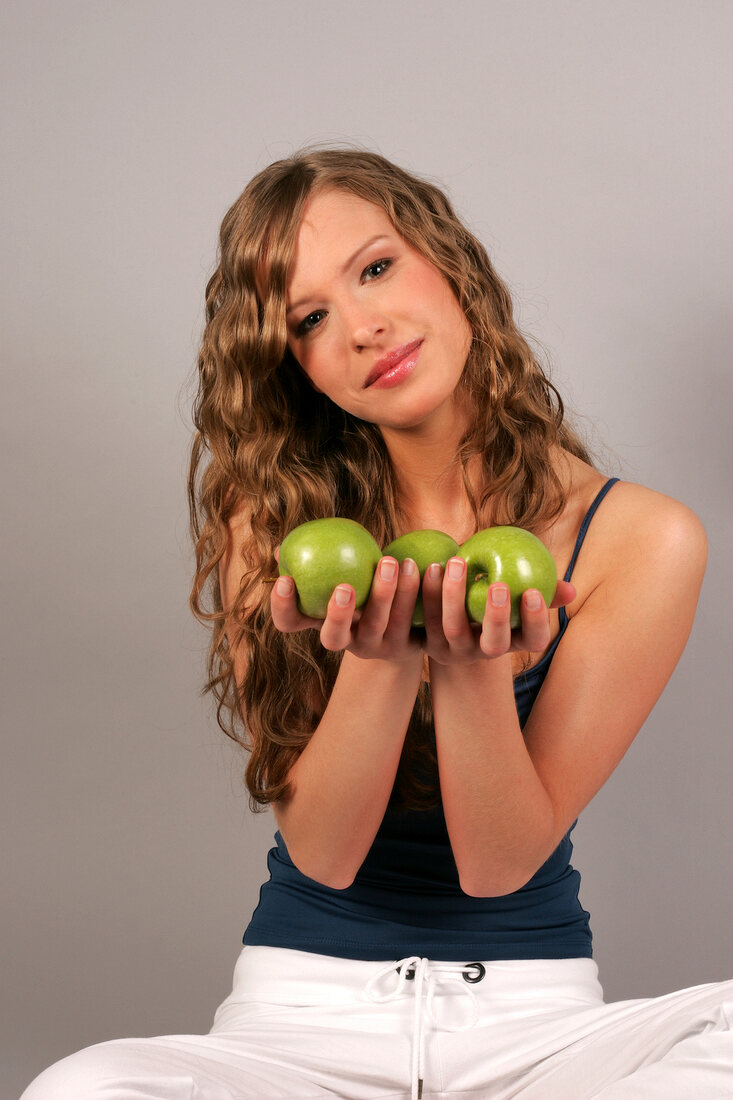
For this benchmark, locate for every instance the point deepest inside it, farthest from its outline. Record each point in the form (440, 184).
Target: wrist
(496, 670)
(389, 667)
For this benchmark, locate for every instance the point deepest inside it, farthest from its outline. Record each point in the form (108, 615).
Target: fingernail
(499, 596)
(388, 569)
(284, 586)
(434, 571)
(342, 595)
(408, 567)
(456, 567)
(532, 600)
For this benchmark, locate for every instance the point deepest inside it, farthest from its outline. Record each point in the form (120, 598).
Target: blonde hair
(288, 454)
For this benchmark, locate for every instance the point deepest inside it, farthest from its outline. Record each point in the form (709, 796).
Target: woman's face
(358, 292)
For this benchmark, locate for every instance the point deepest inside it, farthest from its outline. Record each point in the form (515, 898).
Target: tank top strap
(563, 619)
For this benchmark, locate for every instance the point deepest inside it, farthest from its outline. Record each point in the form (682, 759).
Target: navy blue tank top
(406, 898)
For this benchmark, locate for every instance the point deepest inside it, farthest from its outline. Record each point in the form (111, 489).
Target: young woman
(420, 933)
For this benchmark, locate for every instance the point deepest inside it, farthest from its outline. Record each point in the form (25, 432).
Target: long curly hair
(285, 453)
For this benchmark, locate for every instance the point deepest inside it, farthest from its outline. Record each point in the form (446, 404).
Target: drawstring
(424, 972)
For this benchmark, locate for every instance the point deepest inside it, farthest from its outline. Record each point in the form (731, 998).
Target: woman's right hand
(381, 630)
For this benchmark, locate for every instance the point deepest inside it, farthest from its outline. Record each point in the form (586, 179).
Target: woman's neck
(429, 479)
(431, 493)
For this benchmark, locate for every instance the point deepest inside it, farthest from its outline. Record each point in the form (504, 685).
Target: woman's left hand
(451, 637)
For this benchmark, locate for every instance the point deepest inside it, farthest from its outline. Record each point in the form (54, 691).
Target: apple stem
(480, 576)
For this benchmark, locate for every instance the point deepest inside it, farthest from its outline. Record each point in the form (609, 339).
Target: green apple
(511, 556)
(424, 547)
(323, 553)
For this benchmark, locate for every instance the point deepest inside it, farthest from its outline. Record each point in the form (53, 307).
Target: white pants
(306, 1026)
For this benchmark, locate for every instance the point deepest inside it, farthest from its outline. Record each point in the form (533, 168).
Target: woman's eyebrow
(345, 267)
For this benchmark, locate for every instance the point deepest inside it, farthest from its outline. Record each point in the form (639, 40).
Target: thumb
(565, 594)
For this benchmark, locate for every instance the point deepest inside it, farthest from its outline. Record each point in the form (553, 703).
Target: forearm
(499, 815)
(343, 779)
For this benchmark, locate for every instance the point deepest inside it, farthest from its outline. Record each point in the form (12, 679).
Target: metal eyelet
(478, 976)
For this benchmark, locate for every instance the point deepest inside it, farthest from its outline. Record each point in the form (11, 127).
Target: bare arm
(509, 799)
(342, 780)
(500, 817)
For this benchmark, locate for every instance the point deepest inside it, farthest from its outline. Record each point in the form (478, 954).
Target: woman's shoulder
(628, 508)
(633, 528)
(238, 531)
(639, 519)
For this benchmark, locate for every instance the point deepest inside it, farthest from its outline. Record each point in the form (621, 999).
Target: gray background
(588, 145)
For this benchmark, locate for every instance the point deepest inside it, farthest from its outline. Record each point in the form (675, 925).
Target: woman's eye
(373, 271)
(384, 264)
(308, 322)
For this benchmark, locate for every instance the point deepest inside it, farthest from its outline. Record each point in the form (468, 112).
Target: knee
(87, 1075)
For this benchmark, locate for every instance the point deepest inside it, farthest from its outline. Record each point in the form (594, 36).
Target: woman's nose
(366, 329)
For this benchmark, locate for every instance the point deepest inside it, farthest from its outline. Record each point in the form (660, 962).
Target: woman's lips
(393, 373)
